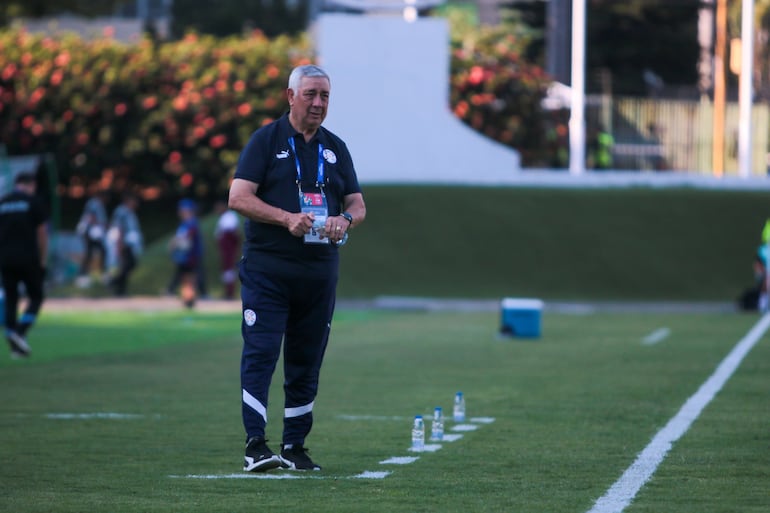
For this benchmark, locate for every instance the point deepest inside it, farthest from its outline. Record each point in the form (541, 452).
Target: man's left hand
(335, 228)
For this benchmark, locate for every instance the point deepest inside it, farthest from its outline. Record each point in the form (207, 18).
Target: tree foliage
(626, 38)
(495, 89)
(227, 17)
(10, 9)
(634, 36)
(173, 117)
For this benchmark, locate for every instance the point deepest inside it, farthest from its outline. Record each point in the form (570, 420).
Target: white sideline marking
(97, 415)
(620, 494)
(426, 448)
(370, 417)
(482, 420)
(261, 475)
(659, 335)
(465, 427)
(368, 474)
(400, 460)
(281, 475)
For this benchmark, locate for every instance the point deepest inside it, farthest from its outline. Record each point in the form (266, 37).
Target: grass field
(112, 405)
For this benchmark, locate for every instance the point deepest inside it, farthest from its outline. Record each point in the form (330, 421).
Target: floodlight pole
(577, 125)
(746, 92)
(720, 87)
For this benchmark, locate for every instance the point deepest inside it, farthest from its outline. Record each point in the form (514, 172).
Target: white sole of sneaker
(289, 465)
(18, 344)
(252, 465)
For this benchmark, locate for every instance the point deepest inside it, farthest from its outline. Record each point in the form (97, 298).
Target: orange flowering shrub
(173, 116)
(496, 92)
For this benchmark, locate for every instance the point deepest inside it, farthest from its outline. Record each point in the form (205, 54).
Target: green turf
(634, 243)
(572, 410)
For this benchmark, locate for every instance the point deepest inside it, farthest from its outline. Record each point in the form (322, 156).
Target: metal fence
(674, 135)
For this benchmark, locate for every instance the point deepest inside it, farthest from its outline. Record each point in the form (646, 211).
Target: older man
(297, 188)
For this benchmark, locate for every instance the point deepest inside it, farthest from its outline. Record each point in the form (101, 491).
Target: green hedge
(478, 242)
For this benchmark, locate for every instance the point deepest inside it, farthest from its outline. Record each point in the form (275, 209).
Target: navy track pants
(297, 311)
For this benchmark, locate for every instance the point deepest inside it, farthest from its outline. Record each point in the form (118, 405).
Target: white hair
(308, 70)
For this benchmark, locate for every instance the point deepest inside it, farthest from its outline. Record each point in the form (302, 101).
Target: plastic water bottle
(418, 434)
(458, 412)
(437, 426)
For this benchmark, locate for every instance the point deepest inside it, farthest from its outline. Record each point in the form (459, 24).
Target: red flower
(9, 71)
(244, 109)
(62, 59)
(272, 71)
(36, 95)
(56, 77)
(218, 141)
(476, 76)
(180, 103)
(461, 109)
(120, 109)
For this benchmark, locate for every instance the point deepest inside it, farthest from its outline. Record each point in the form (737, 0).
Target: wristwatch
(348, 217)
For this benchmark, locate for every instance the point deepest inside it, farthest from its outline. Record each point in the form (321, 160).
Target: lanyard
(320, 182)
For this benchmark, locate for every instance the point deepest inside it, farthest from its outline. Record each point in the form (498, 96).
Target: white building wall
(390, 103)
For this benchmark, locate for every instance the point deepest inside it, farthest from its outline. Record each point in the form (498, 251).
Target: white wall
(390, 103)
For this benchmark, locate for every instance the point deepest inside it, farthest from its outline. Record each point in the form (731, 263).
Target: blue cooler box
(521, 317)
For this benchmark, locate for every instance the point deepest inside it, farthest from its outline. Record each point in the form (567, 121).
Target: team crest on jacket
(330, 157)
(250, 317)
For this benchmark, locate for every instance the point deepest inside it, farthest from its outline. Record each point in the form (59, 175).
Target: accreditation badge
(315, 203)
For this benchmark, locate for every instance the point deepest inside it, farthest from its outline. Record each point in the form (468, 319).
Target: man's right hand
(300, 224)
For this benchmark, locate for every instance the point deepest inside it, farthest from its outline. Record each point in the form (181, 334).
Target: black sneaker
(19, 346)
(294, 457)
(259, 457)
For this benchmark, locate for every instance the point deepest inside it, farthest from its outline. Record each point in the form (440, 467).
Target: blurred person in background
(92, 227)
(186, 252)
(228, 239)
(125, 237)
(23, 253)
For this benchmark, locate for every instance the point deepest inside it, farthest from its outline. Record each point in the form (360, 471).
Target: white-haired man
(297, 188)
